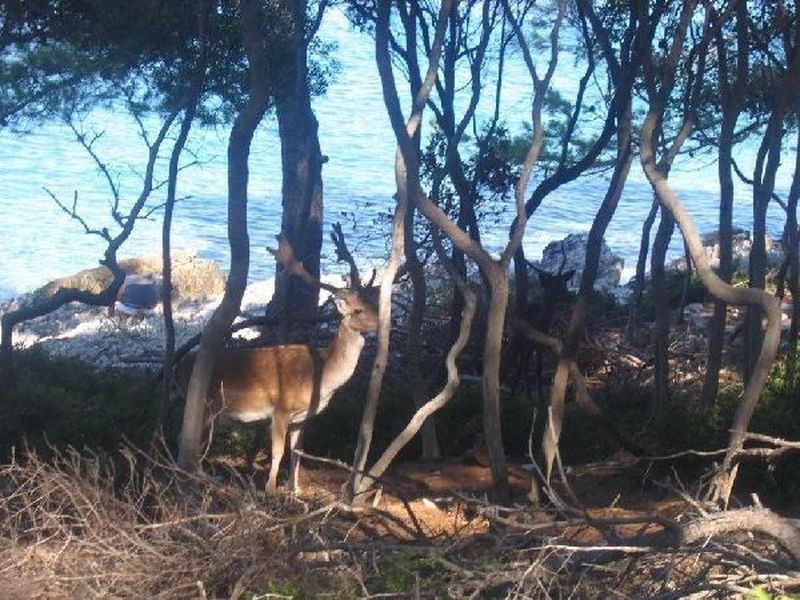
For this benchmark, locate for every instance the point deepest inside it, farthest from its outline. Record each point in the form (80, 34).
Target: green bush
(64, 401)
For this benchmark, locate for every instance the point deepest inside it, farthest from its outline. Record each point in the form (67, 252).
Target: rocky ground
(91, 334)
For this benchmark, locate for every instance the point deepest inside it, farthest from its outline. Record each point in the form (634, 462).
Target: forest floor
(74, 525)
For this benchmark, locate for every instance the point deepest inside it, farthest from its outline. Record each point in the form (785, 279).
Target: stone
(742, 244)
(570, 253)
(193, 278)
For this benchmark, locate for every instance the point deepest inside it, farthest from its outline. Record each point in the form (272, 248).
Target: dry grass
(79, 526)
(73, 526)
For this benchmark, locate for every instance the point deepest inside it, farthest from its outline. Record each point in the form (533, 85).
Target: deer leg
(278, 433)
(295, 444)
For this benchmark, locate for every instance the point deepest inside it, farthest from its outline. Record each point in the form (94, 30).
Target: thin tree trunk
(794, 265)
(192, 99)
(569, 348)
(426, 410)
(406, 176)
(716, 331)
(430, 443)
(641, 264)
(731, 99)
(662, 314)
(721, 290)
(238, 154)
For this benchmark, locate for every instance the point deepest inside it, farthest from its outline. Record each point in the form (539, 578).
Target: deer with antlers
(289, 383)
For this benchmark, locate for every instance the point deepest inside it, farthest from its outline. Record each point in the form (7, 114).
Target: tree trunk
(301, 167)
(238, 153)
(569, 348)
(419, 383)
(662, 314)
(732, 93)
(492, 347)
(794, 265)
(716, 330)
(641, 264)
(192, 99)
(407, 181)
(721, 290)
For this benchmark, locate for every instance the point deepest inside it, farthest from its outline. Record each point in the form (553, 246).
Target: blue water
(38, 242)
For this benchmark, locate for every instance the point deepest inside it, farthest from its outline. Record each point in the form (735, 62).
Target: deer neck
(341, 358)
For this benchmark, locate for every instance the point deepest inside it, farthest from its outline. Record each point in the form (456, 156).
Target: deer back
(250, 384)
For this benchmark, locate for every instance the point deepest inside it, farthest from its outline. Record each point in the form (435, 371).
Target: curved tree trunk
(192, 99)
(238, 154)
(569, 348)
(407, 181)
(722, 291)
(418, 382)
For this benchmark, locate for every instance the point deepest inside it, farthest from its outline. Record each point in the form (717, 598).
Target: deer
(289, 383)
(555, 293)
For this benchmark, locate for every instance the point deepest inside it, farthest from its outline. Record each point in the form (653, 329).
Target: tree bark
(731, 102)
(569, 348)
(244, 127)
(767, 163)
(658, 276)
(425, 411)
(301, 167)
(193, 95)
(721, 290)
(407, 181)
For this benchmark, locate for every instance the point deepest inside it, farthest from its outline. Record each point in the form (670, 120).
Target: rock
(698, 316)
(562, 255)
(193, 278)
(742, 243)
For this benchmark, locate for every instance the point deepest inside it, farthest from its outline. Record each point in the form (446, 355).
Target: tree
(732, 89)
(251, 19)
(669, 201)
(407, 180)
(622, 67)
(301, 157)
(778, 78)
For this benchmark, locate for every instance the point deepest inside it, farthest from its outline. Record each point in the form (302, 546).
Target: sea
(40, 241)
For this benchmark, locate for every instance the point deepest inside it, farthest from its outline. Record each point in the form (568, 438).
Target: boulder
(570, 253)
(742, 243)
(193, 278)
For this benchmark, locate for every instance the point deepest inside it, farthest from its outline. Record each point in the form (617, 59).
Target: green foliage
(63, 401)
(405, 574)
(759, 593)
(59, 57)
(276, 589)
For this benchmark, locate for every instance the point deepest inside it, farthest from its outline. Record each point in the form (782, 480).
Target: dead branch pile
(79, 526)
(75, 526)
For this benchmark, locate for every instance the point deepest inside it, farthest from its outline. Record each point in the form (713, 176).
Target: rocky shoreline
(90, 334)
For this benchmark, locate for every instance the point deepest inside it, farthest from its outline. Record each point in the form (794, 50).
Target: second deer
(289, 383)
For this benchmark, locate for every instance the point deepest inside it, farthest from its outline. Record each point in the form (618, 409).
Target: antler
(343, 255)
(284, 255)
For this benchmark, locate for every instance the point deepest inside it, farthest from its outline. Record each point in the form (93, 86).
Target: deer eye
(358, 311)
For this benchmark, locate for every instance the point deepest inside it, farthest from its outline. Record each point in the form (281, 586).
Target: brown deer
(289, 383)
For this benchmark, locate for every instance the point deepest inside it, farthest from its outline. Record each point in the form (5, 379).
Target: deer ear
(341, 300)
